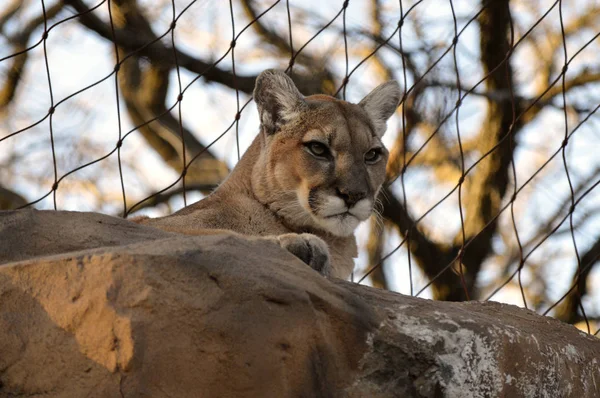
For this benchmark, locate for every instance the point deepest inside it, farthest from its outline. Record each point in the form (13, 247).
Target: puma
(309, 178)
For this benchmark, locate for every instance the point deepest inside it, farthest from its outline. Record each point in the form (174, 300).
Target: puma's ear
(381, 103)
(277, 98)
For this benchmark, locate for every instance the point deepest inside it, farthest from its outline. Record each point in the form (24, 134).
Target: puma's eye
(317, 149)
(373, 155)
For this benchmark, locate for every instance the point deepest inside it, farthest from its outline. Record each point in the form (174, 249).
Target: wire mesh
(476, 63)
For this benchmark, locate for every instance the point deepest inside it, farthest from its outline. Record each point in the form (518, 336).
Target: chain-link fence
(130, 106)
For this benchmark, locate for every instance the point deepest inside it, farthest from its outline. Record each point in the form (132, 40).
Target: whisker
(382, 193)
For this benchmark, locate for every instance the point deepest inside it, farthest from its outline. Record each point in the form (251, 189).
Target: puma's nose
(351, 197)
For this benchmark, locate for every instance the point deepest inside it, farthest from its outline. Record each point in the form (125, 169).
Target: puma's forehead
(326, 106)
(338, 123)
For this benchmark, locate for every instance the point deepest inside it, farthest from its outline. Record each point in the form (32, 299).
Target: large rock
(94, 306)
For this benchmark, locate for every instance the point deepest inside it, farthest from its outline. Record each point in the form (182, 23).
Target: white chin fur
(362, 210)
(344, 224)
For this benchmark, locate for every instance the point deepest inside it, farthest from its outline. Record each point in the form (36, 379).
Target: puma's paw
(309, 248)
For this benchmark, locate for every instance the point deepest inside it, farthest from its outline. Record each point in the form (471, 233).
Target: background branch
(130, 40)
(568, 310)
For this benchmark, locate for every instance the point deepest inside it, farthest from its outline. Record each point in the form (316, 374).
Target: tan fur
(267, 193)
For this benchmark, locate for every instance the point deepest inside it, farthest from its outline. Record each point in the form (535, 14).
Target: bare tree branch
(586, 19)
(487, 186)
(19, 42)
(132, 40)
(545, 228)
(9, 12)
(430, 255)
(145, 92)
(568, 310)
(375, 244)
(488, 183)
(541, 103)
(282, 45)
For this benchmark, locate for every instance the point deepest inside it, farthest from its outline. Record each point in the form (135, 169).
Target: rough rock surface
(95, 306)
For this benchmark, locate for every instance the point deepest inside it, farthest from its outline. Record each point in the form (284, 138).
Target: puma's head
(322, 161)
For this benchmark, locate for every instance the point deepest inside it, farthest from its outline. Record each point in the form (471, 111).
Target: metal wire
(415, 78)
